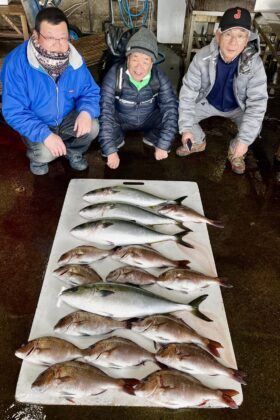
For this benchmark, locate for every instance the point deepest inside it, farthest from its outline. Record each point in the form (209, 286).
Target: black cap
(237, 17)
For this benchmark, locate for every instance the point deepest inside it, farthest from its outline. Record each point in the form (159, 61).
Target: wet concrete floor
(246, 251)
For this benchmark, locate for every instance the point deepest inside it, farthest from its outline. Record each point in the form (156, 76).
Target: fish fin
(183, 263)
(64, 379)
(239, 376)
(223, 281)
(179, 240)
(180, 199)
(202, 403)
(183, 227)
(227, 395)
(105, 293)
(101, 392)
(161, 365)
(107, 224)
(129, 384)
(71, 400)
(216, 223)
(195, 308)
(212, 346)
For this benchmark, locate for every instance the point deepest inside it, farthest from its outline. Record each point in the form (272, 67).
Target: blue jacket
(32, 101)
(135, 107)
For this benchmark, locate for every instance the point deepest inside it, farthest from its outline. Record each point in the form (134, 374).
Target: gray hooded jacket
(249, 86)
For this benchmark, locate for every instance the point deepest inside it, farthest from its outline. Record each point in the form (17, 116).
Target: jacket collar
(75, 59)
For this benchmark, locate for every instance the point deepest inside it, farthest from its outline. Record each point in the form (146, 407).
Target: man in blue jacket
(137, 96)
(49, 96)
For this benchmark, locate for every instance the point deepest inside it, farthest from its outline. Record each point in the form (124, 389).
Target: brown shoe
(185, 151)
(237, 164)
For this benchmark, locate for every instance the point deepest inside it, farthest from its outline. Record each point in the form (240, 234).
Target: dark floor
(246, 251)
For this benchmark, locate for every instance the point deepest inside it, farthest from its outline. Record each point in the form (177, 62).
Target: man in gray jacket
(227, 79)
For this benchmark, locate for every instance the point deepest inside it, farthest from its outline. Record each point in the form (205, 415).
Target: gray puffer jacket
(249, 87)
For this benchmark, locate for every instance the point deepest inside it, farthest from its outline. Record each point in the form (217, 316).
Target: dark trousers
(38, 152)
(151, 127)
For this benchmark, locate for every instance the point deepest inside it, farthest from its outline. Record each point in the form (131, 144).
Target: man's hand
(83, 124)
(113, 160)
(55, 145)
(187, 136)
(160, 154)
(240, 149)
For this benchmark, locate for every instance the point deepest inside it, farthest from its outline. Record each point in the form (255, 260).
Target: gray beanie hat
(145, 42)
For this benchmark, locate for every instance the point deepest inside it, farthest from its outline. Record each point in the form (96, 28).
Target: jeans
(38, 152)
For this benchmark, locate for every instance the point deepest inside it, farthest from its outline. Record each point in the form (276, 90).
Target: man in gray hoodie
(227, 79)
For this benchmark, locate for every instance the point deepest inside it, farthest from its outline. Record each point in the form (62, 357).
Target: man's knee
(39, 153)
(94, 129)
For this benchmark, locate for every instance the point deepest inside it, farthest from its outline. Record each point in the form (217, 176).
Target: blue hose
(127, 16)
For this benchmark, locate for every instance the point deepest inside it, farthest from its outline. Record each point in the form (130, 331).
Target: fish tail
(183, 263)
(128, 385)
(216, 223)
(223, 281)
(129, 322)
(182, 226)
(227, 395)
(195, 308)
(179, 240)
(212, 346)
(180, 199)
(239, 376)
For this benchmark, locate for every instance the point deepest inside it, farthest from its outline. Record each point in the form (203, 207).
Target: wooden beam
(266, 40)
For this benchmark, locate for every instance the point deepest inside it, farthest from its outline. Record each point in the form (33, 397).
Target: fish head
(142, 325)
(62, 271)
(120, 252)
(84, 230)
(148, 386)
(27, 350)
(48, 380)
(166, 353)
(65, 258)
(114, 275)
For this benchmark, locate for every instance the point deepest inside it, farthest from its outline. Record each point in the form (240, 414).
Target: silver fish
(186, 280)
(74, 379)
(117, 232)
(123, 194)
(169, 329)
(196, 361)
(184, 214)
(131, 275)
(124, 301)
(143, 257)
(173, 389)
(48, 350)
(117, 352)
(84, 254)
(81, 323)
(75, 274)
(124, 211)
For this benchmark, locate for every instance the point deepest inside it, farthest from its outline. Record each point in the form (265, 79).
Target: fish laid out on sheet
(123, 194)
(124, 301)
(114, 232)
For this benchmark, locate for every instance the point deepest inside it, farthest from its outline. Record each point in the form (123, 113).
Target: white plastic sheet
(48, 312)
